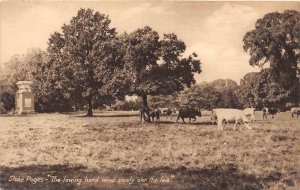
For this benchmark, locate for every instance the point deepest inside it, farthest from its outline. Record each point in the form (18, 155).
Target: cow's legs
(236, 122)
(220, 124)
(265, 116)
(234, 125)
(247, 126)
(141, 116)
(158, 116)
(182, 119)
(144, 116)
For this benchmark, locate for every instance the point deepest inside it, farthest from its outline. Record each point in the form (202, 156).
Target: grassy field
(115, 151)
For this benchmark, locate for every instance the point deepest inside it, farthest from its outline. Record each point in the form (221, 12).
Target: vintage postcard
(149, 95)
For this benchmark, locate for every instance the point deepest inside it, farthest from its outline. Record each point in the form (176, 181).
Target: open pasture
(116, 144)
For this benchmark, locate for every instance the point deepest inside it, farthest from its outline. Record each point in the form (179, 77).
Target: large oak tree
(276, 40)
(82, 57)
(154, 66)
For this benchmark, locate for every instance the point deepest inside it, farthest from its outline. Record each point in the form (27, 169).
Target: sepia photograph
(149, 95)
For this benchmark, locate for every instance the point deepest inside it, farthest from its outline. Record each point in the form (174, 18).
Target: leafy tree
(83, 57)
(162, 101)
(229, 99)
(226, 88)
(275, 40)
(22, 67)
(218, 93)
(203, 96)
(222, 84)
(128, 105)
(154, 66)
(262, 89)
(7, 101)
(32, 66)
(245, 93)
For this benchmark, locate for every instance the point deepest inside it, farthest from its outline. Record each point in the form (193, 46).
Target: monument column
(24, 98)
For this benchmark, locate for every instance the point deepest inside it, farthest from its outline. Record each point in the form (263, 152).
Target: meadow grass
(196, 155)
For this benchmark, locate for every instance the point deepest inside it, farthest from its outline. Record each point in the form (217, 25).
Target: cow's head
(247, 124)
(246, 121)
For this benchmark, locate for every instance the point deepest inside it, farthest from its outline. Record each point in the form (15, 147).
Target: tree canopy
(261, 89)
(276, 40)
(33, 66)
(82, 56)
(209, 95)
(154, 66)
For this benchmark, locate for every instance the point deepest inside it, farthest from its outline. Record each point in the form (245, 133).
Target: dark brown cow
(270, 111)
(152, 114)
(188, 113)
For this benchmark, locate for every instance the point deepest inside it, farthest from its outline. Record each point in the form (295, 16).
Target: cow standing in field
(231, 115)
(214, 115)
(249, 112)
(155, 114)
(188, 113)
(152, 114)
(295, 111)
(167, 112)
(271, 111)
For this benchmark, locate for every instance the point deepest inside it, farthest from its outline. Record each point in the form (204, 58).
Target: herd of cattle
(218, 115)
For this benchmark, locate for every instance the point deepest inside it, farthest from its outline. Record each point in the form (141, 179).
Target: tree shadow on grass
(211, 177)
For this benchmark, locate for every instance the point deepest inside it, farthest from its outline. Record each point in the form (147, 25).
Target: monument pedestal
(24, 98)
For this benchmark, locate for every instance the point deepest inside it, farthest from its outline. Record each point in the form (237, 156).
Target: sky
(213, 30)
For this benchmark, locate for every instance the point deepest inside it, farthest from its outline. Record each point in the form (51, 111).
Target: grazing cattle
(188, 113)
(152, 114)
(295, 111)
(269, 111)
(249, 112)
(265, 112)
(214, 116)
(231, 115)
(155, 114)
(167, 112)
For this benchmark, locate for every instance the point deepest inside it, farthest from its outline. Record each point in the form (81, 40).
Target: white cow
(249, 112)
(214, 115)
(167, 112)
(231, 115)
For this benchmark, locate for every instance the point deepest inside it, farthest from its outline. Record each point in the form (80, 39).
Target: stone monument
(24, 98)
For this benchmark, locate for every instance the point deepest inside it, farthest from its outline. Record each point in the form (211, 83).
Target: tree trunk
(90, 109)
(146, 114)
